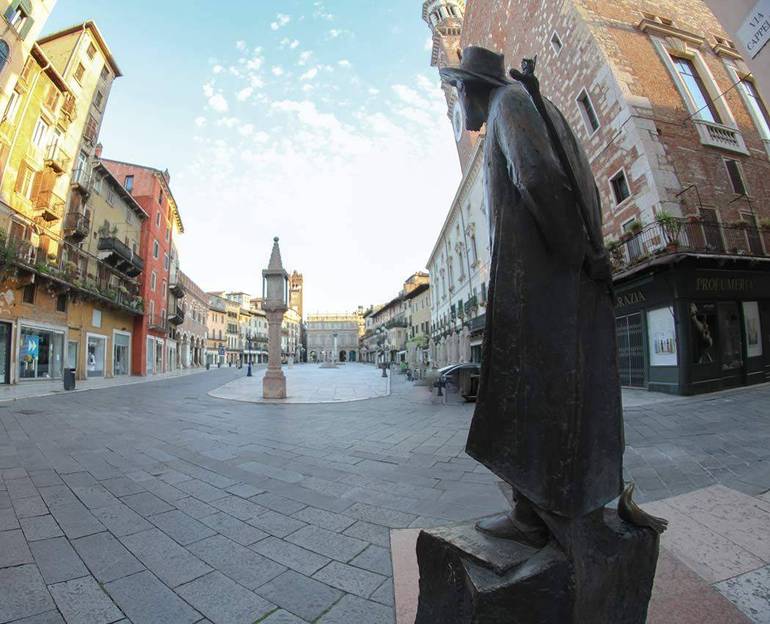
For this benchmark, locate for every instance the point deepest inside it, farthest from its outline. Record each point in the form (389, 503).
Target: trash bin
(69, 378)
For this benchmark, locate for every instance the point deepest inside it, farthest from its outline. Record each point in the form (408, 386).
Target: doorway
(5, 353)
(630, 337)
(343, 356)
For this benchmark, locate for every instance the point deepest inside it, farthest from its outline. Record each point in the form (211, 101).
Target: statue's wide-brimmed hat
(477, 65)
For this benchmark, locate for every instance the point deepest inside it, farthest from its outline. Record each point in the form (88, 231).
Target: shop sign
(630, 298)
(755, 31)
(30, 348)
(724, 284)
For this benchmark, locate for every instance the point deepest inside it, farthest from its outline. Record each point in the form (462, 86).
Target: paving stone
(238, 507)
(94, 496)
(355, 609)
(146, 504)
(374, 533)
(324, 519)
(121, 519)
(58, 496)
(223, 601)
(241, 564)
(201, 490)
(384, 593)
(282, 617)
(380, 515)
(244, 490)
(277, 503)
(234, 529)
(5, 500)
(79, 479)
(145, 600)
(302, 596)
(164, 557)
(194, 508)
(82, 601)
(164, 491)
(76, 521)
(13, 473)
(13, 549)
(374, 559)
(20, 488)
(29, 507)
(8, 520)
(106, 557)
(23, 593)
(180, 527)
(276, 524)
(49, 617)
(750, 592)
(43, 478)
(349, 579)
(290, 555)
(327, 543)
(40, 527)
(57, 560)
(122, 486)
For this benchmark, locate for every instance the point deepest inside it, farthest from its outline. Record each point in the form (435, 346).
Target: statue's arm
(538, 176)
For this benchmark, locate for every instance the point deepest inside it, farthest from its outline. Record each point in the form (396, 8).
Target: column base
(274, 385)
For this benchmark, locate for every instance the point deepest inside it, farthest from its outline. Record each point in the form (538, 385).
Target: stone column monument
(548, 418)
(274, 303)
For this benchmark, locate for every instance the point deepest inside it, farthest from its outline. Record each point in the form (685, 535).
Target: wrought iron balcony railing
(49, 206)
(76, 226)
(688, 235)
(56, 159)
(119, 255)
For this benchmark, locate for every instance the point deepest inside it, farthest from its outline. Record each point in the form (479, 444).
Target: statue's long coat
(548, 418)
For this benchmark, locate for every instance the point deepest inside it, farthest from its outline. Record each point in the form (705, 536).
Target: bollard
(248, 371)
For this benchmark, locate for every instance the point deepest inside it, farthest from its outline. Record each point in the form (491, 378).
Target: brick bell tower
(445, 20)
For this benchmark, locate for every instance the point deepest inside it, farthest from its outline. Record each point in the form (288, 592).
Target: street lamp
(248, 355)
(275, 297)
(382, 337)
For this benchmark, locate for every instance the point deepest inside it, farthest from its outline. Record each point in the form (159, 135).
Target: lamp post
(382, 337)
(248, 355)
(275, 293)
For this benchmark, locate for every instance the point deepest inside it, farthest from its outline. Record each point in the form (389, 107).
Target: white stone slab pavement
(310, 383)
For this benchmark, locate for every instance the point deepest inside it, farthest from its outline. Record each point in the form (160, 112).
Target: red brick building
(678, 137)
(154, 352)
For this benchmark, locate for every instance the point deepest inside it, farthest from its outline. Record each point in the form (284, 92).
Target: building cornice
(666, 30)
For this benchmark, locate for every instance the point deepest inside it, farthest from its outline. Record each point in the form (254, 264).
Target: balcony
(81, 181)
(157, 322)
(690, 235)
(56, 159)
(718, 135)
(177, 289)
(176, 317)
(120, 256)
(76, 226)
(49, 206)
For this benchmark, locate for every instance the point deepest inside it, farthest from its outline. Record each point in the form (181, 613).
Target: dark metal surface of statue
(548, 418)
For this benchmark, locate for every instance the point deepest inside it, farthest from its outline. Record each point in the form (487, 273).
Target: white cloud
(344, 63)
(200, 121)
(309, 74)
(218, 103)
(277, 70)
(208, 89)
(289, 43)
(320, 12)
(373, 91)
(280, 21)
(261, 137)
(428, 44)
(304, 57)
(244, 94)
(246, 129)
(336, 32)
(217, 69)
(240, 44)
(228, 122)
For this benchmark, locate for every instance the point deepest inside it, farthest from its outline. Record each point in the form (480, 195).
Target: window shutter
(37, 184)
(26, 28)
(20, 177)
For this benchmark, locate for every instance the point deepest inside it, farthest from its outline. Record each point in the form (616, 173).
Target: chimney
(98, 150)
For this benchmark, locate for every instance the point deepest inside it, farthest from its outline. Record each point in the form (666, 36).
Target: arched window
(5, 52)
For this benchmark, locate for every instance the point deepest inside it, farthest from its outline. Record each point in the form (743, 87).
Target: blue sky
(320, 122)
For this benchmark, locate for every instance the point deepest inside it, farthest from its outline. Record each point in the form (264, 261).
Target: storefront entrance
(121, 354)
(97, 350)
(630, 336)
(41, 353)
(5, 353)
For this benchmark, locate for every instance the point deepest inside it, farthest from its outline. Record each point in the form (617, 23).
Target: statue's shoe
(504, 526)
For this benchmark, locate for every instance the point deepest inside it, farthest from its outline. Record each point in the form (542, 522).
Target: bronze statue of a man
(548, 418)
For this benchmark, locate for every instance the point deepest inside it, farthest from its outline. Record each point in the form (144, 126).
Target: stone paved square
(295, 505)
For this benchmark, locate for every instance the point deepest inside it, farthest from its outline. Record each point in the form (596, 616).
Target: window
(168, 233)
(18, 18)
(165, 261)
(757, 107)
(61, 303)
(12, 107)
(105, 73)
(165, 289)
(25, 181)
(91, 52)
(160, 197)
(40, 132)
(92, 127)
(587, 112)
(52, 98)
(153, 281)
(5, 52)
(619, 187)
(556, 43)
(701, 100)
(98, 99)
(96, 317)
(155, 249)
(128, 183)
(157, 219)
(736, 179)
(79, 72)
(28, 294)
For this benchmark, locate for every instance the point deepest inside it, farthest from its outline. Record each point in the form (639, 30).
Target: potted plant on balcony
(671, 227)
(635, 227)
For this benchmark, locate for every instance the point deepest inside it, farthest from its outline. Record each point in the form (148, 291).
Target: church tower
(295, 292)
(445, 20)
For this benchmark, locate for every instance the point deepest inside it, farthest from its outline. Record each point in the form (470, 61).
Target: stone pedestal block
(274, 384)
(467, 577)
